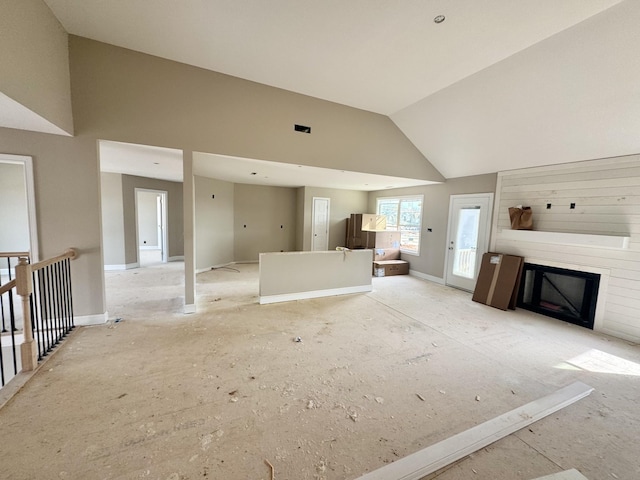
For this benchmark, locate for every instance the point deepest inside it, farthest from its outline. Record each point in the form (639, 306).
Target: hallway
(162, 395)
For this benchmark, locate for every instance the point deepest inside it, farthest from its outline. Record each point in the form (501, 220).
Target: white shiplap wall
(606, 194)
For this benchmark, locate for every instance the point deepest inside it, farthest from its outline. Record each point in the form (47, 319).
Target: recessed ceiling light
(156, 163)
(439, 19)
(254, 173)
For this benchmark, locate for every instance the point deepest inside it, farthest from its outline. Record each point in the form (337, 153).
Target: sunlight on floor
(597, 361)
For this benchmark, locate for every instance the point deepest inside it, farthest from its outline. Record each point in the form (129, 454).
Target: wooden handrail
(7, 286)
(14, 254)
(70, 253)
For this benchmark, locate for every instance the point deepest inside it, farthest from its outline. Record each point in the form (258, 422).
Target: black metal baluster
(1, 359)
(43, 325)
(55, 299)
(70, 296)
(52, 341)
(4, 326)
(34, 316)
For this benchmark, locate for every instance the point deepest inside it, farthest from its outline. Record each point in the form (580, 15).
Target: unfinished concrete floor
(162, 395)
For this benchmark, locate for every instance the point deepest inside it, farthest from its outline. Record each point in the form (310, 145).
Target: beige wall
(67, 190)
(174, 214)
(342, 204)
(214, 222)
(435, 215)
(35, 61)
(14, 215)
(296, 275)
(121, 95)
(127, 96)
(263, 210)
(112, 219)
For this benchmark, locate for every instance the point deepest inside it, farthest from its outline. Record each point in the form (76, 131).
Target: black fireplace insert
(567, 295)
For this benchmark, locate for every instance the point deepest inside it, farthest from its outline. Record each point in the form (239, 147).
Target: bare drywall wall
(435, 216)
(35, 61)
(264, 220)
(174, 214)
(14, 215)
(112, 219)
(214, 222)
(122, 95)
(343, 203)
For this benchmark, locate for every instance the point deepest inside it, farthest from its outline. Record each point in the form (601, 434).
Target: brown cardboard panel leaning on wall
(498, 280)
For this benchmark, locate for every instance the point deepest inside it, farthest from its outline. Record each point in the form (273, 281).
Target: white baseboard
(97, 319)
(177, 258)
(108, 268)
(424, 276)
(189, 308)
(287, 297)
(618, 334)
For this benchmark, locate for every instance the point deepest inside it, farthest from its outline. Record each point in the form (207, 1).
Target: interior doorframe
(490, 197)
(165, 229)
(27, 163)
(313, 219)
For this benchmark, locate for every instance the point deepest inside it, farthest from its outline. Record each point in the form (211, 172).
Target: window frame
(397, 228)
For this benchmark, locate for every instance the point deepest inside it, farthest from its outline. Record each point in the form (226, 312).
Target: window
(404, 214)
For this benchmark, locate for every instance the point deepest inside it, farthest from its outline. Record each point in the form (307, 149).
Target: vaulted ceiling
(499, 84)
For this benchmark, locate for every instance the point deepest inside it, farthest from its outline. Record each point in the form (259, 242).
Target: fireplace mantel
(558, 238)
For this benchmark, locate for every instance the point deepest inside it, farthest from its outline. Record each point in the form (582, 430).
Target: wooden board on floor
(439, 455)
(572, 474)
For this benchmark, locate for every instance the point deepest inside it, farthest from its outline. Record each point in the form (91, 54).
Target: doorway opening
(18, 227)
(151, 226)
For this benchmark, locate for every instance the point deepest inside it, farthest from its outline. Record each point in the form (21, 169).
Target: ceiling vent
(302, 128)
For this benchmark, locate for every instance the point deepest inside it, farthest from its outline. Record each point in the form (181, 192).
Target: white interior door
(151, 226)
(161, 211)
(320, 226)
(467, 238)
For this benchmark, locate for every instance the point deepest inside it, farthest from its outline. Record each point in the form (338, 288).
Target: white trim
(424, 276)
(189, 308)
(287, 297)
(149, 247)
(128, 266)
(27, 163)
(97, 319)
(580, 163)
(559, 238)
(165, 227)
(618, 334)
(177, 258)
(439, 455)
(496, 214)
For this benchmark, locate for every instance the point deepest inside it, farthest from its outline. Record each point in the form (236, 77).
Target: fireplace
(567, 295)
